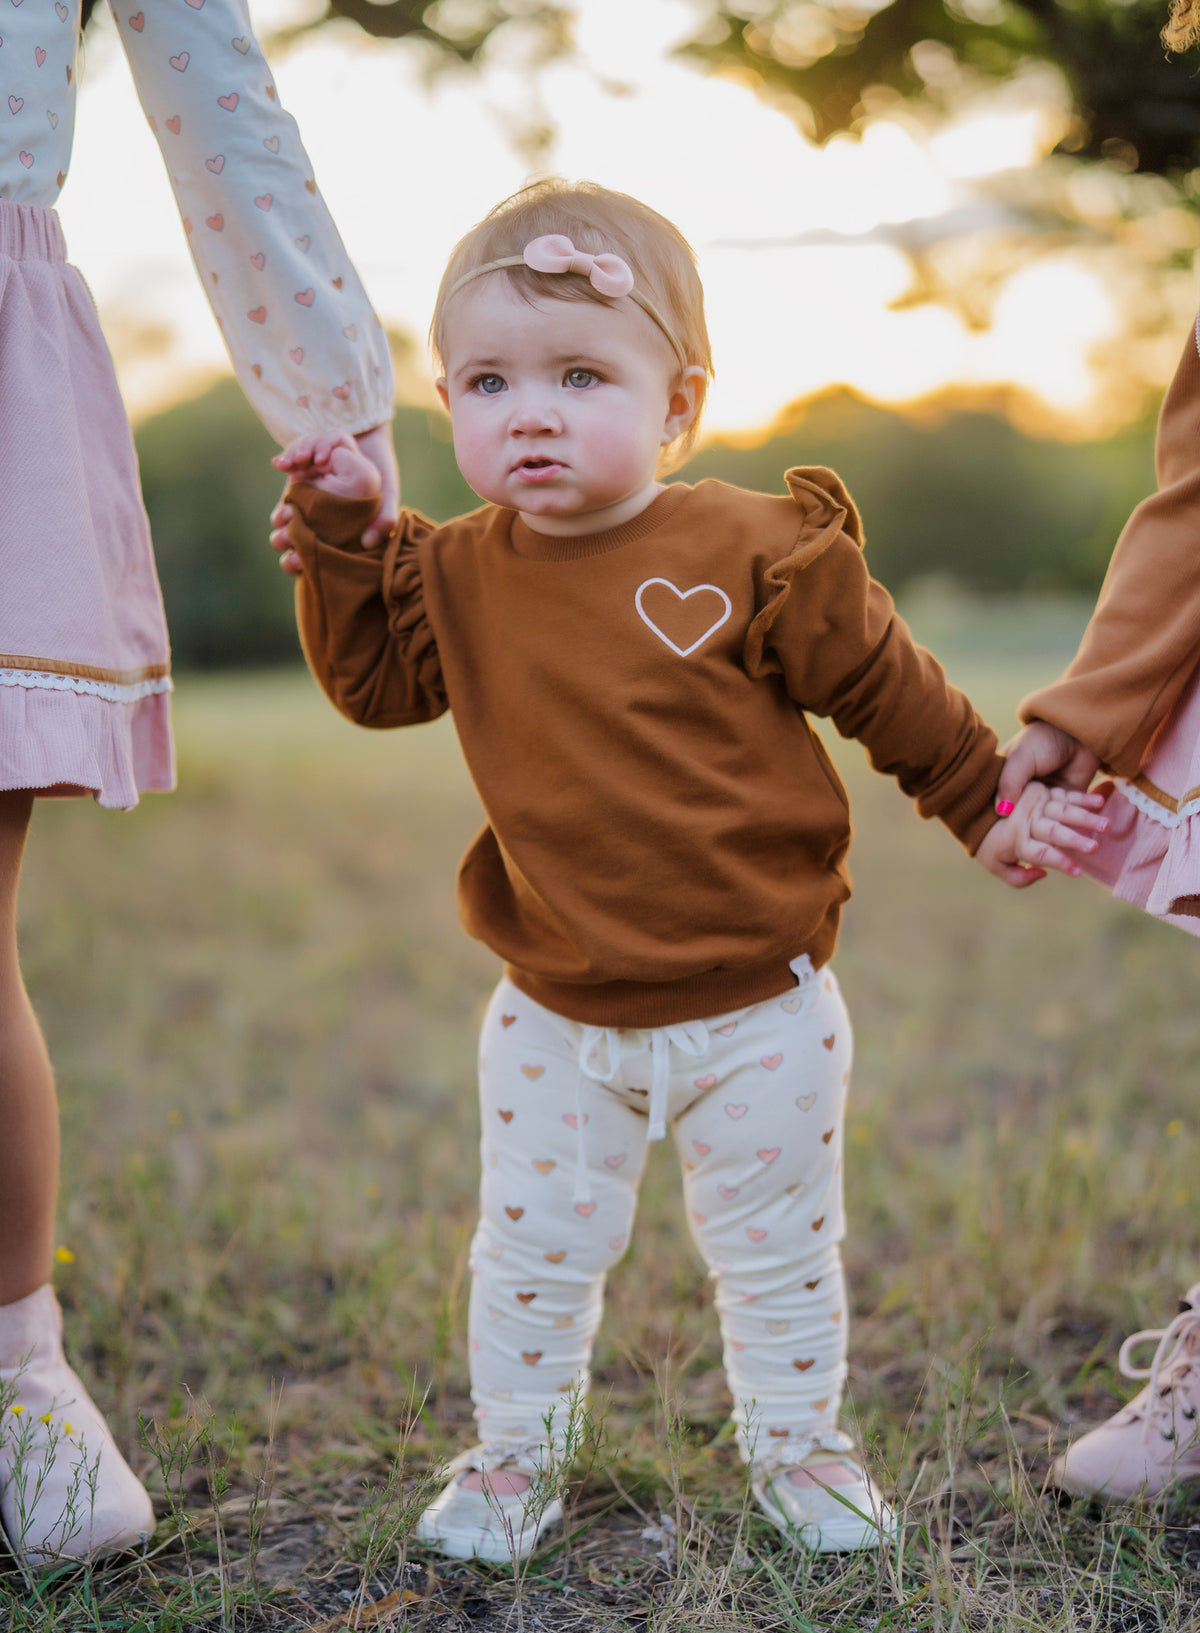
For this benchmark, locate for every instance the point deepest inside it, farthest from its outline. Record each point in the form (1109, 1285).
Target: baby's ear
(685, 402)
(443, 391)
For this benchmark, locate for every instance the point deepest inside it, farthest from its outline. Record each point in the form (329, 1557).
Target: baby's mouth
(537, 468)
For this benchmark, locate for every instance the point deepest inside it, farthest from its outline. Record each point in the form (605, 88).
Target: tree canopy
(1135, 103)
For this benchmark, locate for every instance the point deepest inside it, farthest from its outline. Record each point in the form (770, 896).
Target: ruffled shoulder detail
(407, 615)
(827, 512)
(822, 498)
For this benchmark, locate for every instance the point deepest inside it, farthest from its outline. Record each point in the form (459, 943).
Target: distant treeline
(967, 496)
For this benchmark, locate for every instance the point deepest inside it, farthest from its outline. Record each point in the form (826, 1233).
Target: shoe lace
(1175, 1355)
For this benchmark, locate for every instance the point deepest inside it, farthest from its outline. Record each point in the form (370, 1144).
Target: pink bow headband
(608, 274)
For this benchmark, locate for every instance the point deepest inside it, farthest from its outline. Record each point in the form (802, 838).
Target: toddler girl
(663, 865)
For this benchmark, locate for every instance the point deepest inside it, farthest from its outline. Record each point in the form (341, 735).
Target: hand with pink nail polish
(1045, 828)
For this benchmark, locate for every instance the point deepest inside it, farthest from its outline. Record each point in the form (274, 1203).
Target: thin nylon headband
(643, 301)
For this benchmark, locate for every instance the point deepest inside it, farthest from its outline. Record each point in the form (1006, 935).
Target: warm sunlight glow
(801, 248)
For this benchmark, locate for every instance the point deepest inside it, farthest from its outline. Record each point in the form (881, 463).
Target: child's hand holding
(1043, 826)
(1043, 750)
(329, 460)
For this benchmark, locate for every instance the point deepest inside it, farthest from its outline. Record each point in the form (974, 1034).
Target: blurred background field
(263, 1016)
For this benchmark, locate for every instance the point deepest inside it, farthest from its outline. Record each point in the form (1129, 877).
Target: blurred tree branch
(1135, 104)
(457, 31)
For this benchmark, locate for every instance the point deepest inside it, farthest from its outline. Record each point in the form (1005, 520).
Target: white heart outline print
(684, 595)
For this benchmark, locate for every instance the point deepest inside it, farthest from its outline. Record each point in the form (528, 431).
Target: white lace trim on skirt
(111, 691)
(1150, 807)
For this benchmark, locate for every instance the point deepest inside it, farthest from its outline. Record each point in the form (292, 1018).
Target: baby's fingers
(1040, 855)
(1061, 833)
(1018, 878)
(1077, 821)
(1094, 799)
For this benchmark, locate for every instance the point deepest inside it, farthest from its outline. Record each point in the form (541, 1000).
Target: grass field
(263, 1016)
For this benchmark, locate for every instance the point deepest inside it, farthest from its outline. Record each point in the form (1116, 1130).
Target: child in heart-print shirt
(662, 869)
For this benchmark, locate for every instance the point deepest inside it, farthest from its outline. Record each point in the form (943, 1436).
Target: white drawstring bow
(691, 1038)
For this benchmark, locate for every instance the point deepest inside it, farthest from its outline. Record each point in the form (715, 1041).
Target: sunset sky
(407, 168)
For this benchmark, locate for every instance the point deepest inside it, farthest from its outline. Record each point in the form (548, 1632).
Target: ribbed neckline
(550, 547)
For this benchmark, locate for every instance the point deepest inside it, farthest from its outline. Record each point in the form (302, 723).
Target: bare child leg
(65, 1490)
(28, 1108)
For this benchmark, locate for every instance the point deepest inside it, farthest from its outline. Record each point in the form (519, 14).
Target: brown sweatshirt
(1143, 642)
(665, 832)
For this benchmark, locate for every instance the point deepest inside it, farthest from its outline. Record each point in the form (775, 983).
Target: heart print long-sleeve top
(306, 345)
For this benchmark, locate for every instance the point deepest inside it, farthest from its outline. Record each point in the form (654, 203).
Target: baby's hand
(329, 460)
(1044, 825)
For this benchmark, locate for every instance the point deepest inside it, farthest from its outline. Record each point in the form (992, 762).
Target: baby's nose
(534, 417)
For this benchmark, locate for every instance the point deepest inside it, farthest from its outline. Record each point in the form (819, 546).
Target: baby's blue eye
(580, 378)
(490, 384)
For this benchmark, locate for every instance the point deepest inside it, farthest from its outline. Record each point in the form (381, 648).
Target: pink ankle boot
(65, 1490)
(1154, 1442)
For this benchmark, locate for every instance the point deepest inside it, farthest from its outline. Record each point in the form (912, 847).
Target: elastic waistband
(30, 232)
(649, 1005)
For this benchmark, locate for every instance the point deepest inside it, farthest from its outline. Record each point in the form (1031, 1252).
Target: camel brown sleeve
(1143, 642)
(843, 651)
(363, 624)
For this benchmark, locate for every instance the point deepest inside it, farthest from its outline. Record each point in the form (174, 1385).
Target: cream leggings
(755, 1101)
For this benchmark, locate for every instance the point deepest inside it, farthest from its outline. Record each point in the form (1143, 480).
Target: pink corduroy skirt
(84, 660)
(1150, 855)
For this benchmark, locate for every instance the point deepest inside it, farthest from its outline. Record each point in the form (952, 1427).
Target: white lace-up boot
(65, 1490)
(1154, 1442)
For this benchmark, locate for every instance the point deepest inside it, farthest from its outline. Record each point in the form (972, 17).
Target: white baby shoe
(828, 1518)
(65, 1490)
(503, 1530)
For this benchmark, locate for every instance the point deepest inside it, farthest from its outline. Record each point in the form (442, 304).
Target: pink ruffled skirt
(1150, 855)
(84, 661)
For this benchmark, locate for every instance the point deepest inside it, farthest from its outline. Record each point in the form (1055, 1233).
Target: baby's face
(560, 408)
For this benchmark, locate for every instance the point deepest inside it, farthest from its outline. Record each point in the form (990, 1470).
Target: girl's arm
(361, 609)
(1143, 642)
(308, 350)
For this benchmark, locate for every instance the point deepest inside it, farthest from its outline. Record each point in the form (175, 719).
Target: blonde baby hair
(598, 221)
(1183, 25)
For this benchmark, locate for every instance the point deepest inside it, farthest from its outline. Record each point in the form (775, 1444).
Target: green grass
(263, 1016)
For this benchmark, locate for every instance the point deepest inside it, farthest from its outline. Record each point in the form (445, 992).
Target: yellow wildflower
(16, 1411)
(63, 1255)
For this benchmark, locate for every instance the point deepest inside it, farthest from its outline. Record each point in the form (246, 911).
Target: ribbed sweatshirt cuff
(972, 812)
(329, 517)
